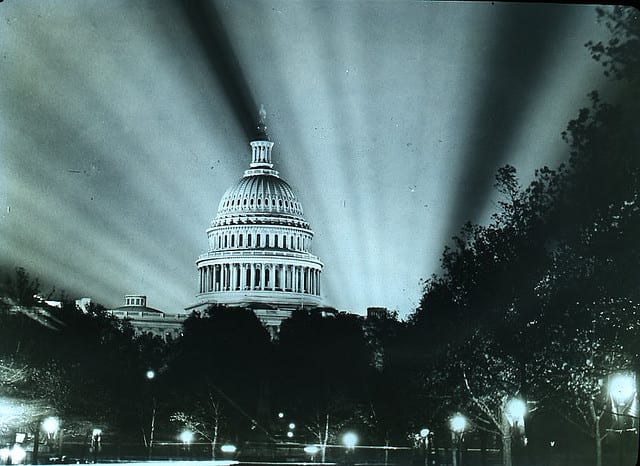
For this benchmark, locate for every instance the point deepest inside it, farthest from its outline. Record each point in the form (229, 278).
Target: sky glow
(124, 123)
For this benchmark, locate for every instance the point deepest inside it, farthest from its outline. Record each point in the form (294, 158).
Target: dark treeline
(541, 304)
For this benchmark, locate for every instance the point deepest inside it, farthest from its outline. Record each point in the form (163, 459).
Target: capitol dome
(259, 245)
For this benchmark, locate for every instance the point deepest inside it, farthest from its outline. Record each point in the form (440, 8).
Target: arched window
(225, 241)
(266, 241)
(233, 241)
(249, 240)
(240, 240)
(298, 243)
(275, 241)
(259, 201)
(258, 241)
(252, 202)
(267, 277)
(284, 242)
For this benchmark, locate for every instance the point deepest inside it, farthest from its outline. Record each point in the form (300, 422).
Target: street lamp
(457, 424)
(350, 440)
(228, 449)
(622, 391)
(516, 409)
(96, 440)
(513, 412)
(423, 440)
(186, 436)
(51, 426)
(311, 450)
(150, 374)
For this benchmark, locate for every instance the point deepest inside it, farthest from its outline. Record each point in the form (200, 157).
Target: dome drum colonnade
(259, 243)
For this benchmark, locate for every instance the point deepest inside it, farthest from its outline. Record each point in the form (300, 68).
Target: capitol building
(259, 254)
(259, 246)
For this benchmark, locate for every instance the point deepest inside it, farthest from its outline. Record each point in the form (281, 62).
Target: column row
(259, 277)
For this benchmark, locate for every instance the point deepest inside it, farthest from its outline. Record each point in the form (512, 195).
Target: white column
(232, 270)
(223, 277)
(262, 274)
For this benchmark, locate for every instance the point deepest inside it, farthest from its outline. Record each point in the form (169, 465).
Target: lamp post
(622, 391)
(150, 374)
(349, 440)
(513, 412)
(424, 444)
(51, 426)
(96, 443)
(457, 424)
(186, 437)
(312, 451)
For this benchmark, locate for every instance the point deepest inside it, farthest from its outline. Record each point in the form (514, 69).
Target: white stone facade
(260, 246)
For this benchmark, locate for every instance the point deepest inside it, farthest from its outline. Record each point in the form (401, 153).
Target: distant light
(17, 454)
(186, 436)
(458, 423)
(292, 425)
(622, 388)
(516, 409)
(552, 443)
(311, 449)
(350, 439)
(526, 441)
(424, 432)
(289, 434)
(150, 374)
(50, 425)
(97, 432)
(228, 448)
(280, 415)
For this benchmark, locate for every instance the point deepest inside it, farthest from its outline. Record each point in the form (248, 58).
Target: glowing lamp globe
(622, 388)
(350, 439)
(458, 423)
(50, 425)
(186, 436)
(516, 409)
(311, 449)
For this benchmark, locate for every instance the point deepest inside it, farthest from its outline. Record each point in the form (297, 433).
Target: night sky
(122, 124)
